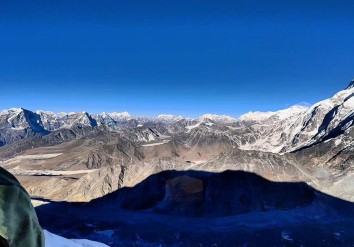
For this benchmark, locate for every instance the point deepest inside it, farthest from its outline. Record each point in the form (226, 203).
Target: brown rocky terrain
(79, 157)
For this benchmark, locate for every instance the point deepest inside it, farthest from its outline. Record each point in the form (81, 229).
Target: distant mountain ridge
(280, 131)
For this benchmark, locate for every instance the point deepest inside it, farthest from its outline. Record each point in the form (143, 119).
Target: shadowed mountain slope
(159, 209)
(196, 193)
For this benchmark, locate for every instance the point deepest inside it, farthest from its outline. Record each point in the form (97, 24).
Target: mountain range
(278, 132)
(98, 158)
(312, 144)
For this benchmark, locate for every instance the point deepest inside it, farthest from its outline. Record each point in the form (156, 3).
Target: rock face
(16, 124)
(90, 155)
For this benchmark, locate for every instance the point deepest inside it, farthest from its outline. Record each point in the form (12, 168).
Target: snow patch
(155, 144)
(38, 156)
(286, 236)
(52, 240)
(189, 128)
(17, 128)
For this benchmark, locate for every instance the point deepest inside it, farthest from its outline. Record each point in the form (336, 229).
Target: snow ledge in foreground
(52, 240)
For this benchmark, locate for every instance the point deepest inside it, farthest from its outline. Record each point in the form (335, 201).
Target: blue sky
(180, 57)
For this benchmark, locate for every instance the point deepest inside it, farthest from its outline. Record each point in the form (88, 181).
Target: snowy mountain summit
(281, 114)
(351, 85)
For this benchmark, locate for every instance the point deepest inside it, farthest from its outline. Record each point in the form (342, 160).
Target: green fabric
(18, 220)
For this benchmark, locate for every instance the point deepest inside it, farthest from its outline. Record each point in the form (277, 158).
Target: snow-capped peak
(256, 116)
(39, 112)
(217, 118)
(281, 114)
(118, 114)
(11, 110)
(351, 85)
(168, 117)
(294, 110)
(338, 98)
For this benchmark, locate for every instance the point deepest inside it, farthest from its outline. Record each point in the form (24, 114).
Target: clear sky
(182, 57)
